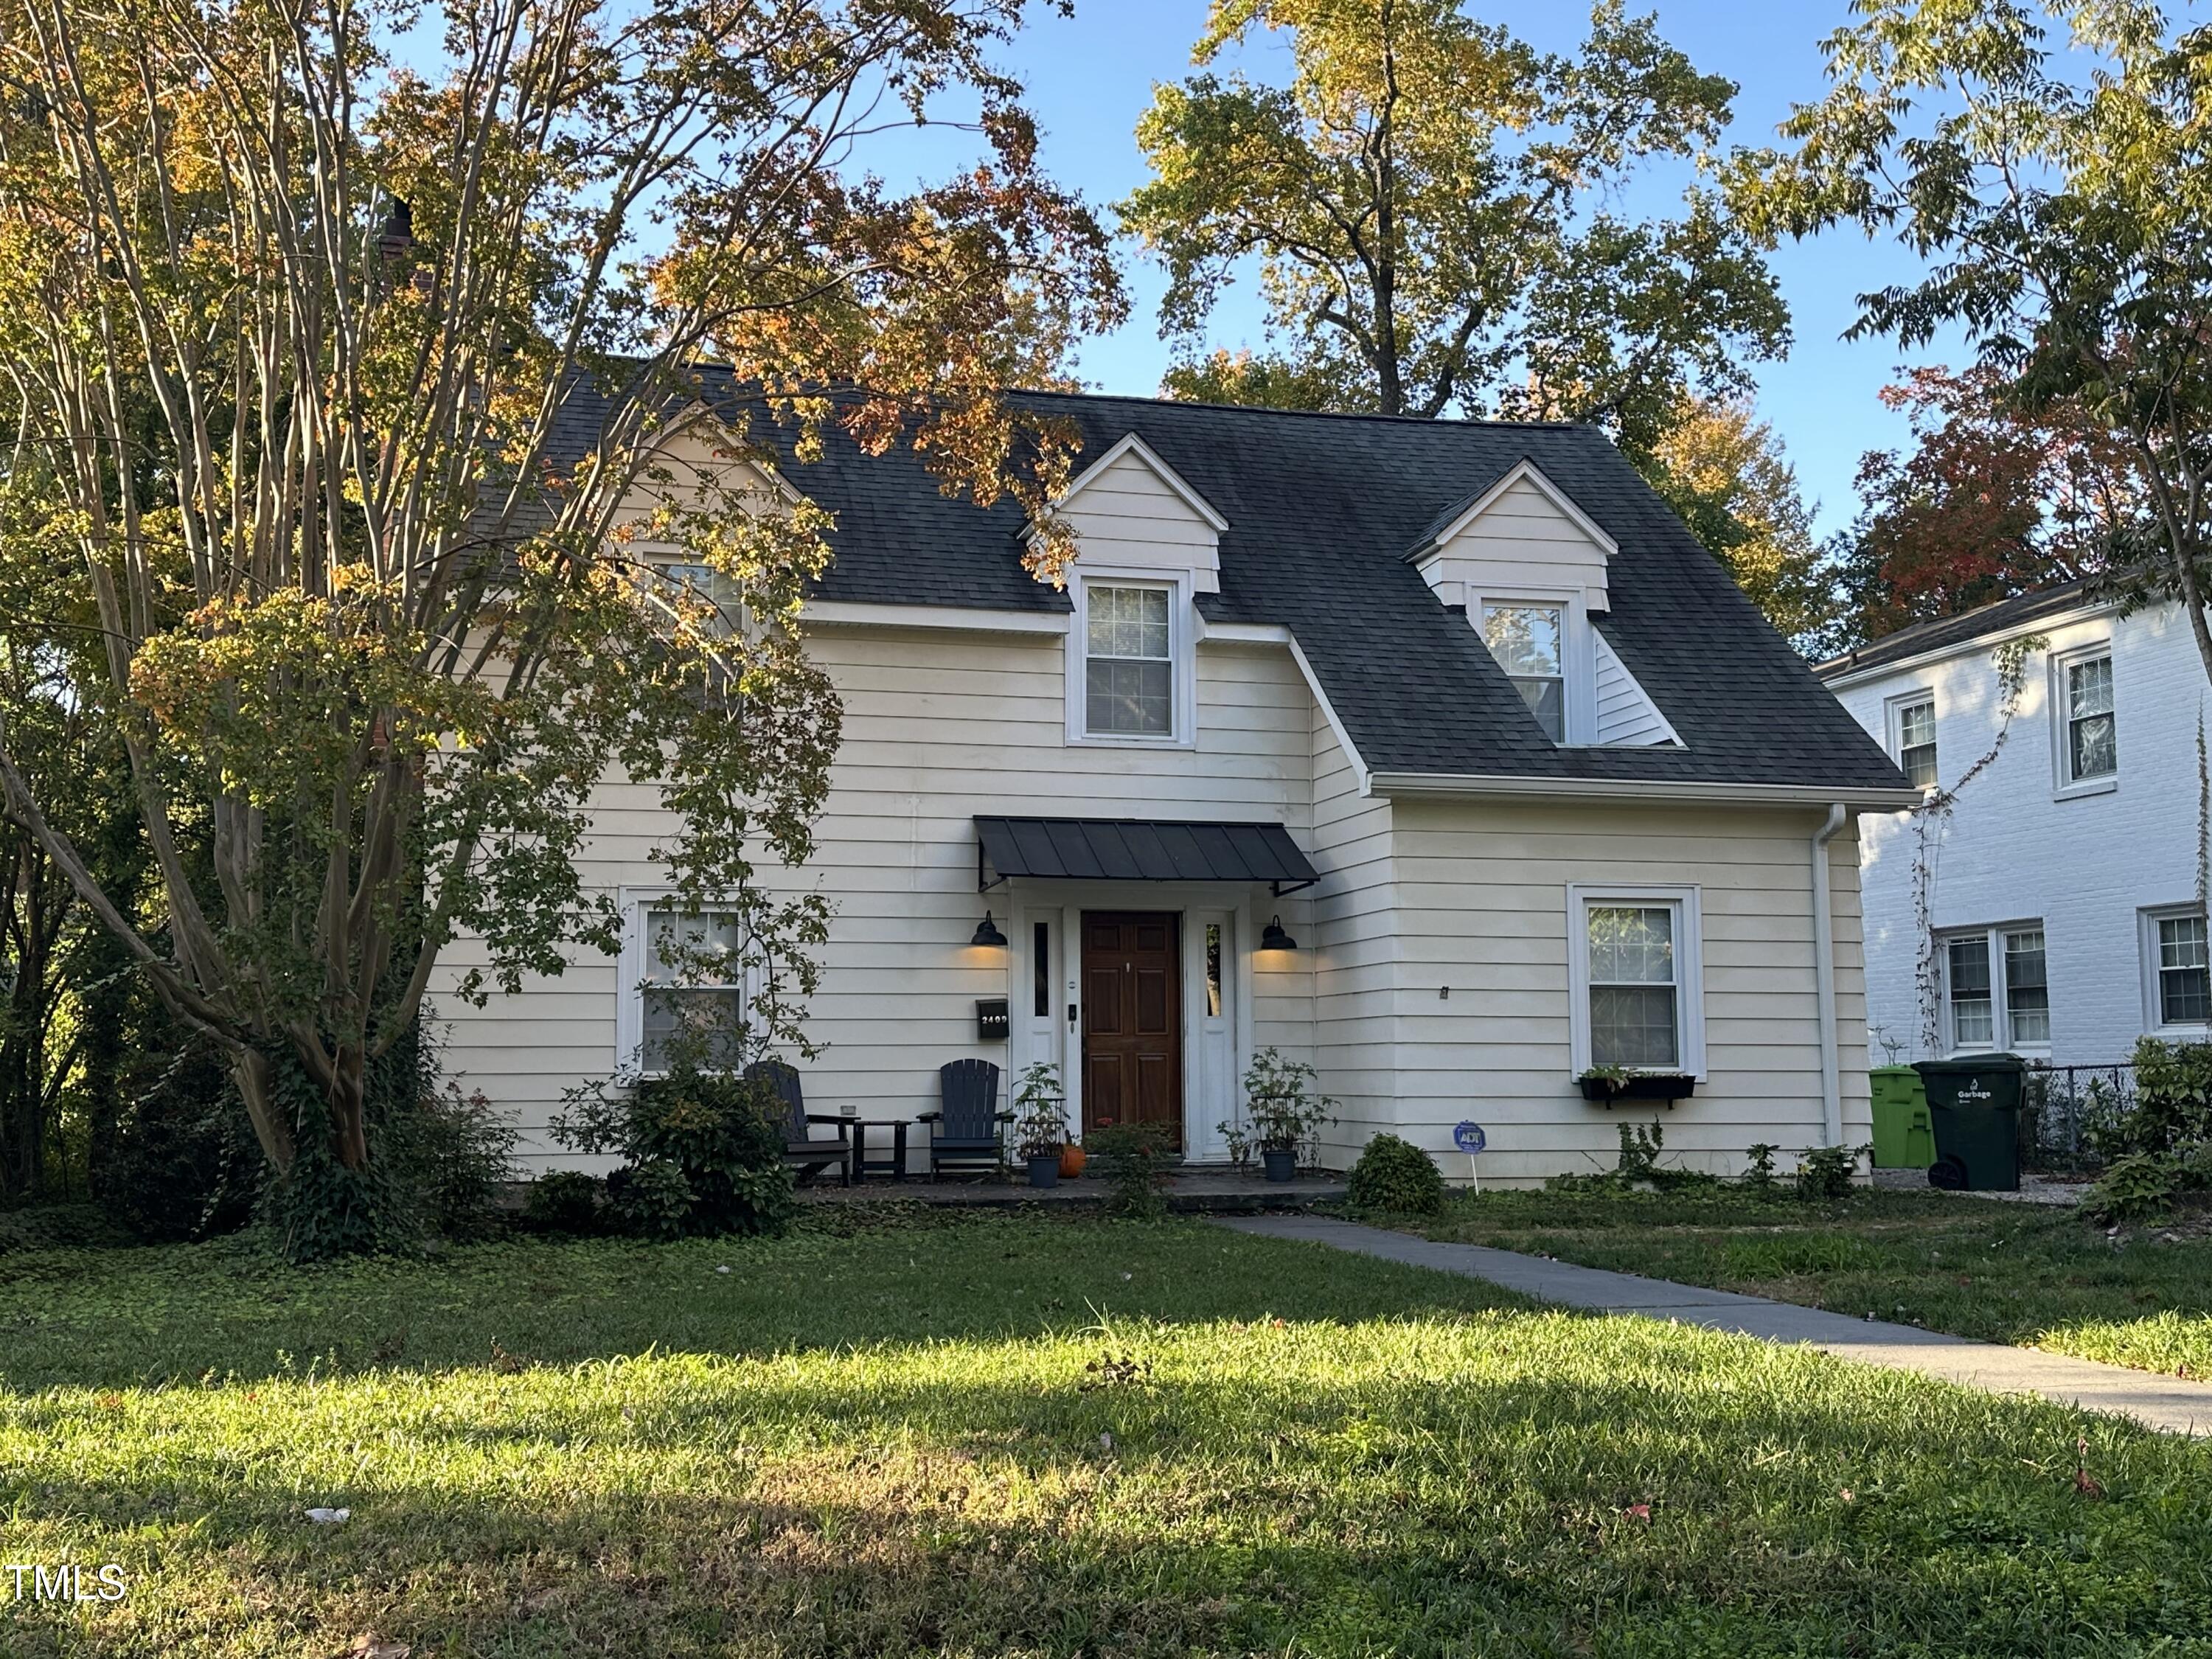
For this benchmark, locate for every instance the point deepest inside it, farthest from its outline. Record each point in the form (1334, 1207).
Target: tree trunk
(349, 1106)
(256, 1082)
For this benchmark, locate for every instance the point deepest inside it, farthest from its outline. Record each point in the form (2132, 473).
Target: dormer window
(1528, 641)
(1129, 668)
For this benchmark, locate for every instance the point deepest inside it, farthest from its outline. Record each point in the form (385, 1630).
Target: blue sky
(1089, 77)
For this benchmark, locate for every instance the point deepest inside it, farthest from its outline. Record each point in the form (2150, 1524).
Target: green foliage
(1040, 1110)
(1282, 1110)
(1828, 1172)
(1395, 1177)
(179, 1160)
(1431, 207)
(1759, 1172)
(443, 1157)
(704, 1153)
(2173, 1096)
(1640, 1150)
(2136, 1186)
(563, 1201)
(2049, 168)
(1136, 1159)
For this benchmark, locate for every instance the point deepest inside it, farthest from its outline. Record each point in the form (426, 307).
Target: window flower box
(1668, 1086)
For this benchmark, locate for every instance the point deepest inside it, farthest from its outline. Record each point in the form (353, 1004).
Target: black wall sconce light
(1272, 938)
(988, 934)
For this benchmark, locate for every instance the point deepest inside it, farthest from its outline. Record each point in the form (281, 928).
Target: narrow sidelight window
(1213, 970)
(1041, 969)
(1526, 641)
(1128, 663)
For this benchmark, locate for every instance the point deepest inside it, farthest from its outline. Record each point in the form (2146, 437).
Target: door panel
(1131, 1021)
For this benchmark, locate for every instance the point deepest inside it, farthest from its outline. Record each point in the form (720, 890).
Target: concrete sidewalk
(2158, 1402)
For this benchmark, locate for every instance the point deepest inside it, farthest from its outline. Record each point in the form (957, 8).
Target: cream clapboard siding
(1354, 946)
(1522, 542)
(1482, 894)
(1127, 517)
(939, 726)
(1625, 714)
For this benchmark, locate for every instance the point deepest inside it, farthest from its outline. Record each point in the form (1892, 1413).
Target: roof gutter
(1824, 978)
(1478, 785)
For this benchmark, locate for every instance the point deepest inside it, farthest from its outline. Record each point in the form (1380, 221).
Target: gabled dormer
(1133, 511)
(1531, 569)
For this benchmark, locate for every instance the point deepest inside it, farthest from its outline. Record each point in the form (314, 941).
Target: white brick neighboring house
(2062, 892)
(1461, 710)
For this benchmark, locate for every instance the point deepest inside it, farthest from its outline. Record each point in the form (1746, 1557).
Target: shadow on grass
(1259, 1510)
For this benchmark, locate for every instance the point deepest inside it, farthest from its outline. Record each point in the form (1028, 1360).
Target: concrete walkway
(2158, 1402)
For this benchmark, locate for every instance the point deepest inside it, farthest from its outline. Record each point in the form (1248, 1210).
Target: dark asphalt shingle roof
(1322, 510)
(1947, 631)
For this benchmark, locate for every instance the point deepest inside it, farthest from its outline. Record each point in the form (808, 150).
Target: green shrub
(1639, 1152)
(1827, 1171)
(2136, 1186)
(1759, 1172)
(2173, 1097)
(704, 1153)
(1136, 1158)
(181, 1163)
(1397, 1176)
(563, 1201)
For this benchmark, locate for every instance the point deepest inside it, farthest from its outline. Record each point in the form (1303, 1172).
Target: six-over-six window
(1128, 666)
(1527, 641)
(1637, 984)
(1996, 988)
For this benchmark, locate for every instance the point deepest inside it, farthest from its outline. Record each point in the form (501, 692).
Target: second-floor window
(2089, 746)
(1916, 741)
(1527, 640)
(1128, 665)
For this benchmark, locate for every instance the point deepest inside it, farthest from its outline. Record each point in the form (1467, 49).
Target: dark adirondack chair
(965, 1131)
(800, 1149)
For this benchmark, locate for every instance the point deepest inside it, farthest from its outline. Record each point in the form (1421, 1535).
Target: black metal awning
(1139, 849)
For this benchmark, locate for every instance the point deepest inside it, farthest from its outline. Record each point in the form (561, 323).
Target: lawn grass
(1027, 1435)
(2033, 1275)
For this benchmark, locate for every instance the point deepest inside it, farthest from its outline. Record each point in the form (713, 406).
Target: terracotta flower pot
(1073, 1158)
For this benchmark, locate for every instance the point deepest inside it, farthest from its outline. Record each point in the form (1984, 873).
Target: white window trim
(2064, 786)
(1689, 968)
(2147, 922)
(1578, 651)
(1182, 651)
(1893, 709)
(634, 903)
(1993, 938)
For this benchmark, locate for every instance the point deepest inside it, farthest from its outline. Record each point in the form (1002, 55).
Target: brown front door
(1131, 1021)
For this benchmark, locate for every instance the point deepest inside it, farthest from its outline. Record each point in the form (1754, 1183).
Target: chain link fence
(2072, 1116)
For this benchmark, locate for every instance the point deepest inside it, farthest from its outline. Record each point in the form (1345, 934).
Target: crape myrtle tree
(2052, 166)
(1424, 201)
(293, 296)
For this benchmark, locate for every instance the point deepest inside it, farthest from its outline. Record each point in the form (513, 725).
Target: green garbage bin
(1973, 1105)
(1904, 1139)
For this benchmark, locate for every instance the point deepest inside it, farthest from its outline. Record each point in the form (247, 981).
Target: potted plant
(1041, 1121)
(1607, 1084)
(1282, 1111)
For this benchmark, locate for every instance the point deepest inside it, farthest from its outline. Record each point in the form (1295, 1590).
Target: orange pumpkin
(1072, 1160)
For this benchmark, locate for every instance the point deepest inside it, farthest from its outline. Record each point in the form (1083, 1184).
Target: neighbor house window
(1635, 979)
(1997, 991)
(1527, 641)
(2180, 987)
(1128, 665)
(692, 994)
(1916, 741)
(2088, 736)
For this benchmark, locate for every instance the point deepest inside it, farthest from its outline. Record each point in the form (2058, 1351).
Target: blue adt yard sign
(1469, 1139)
